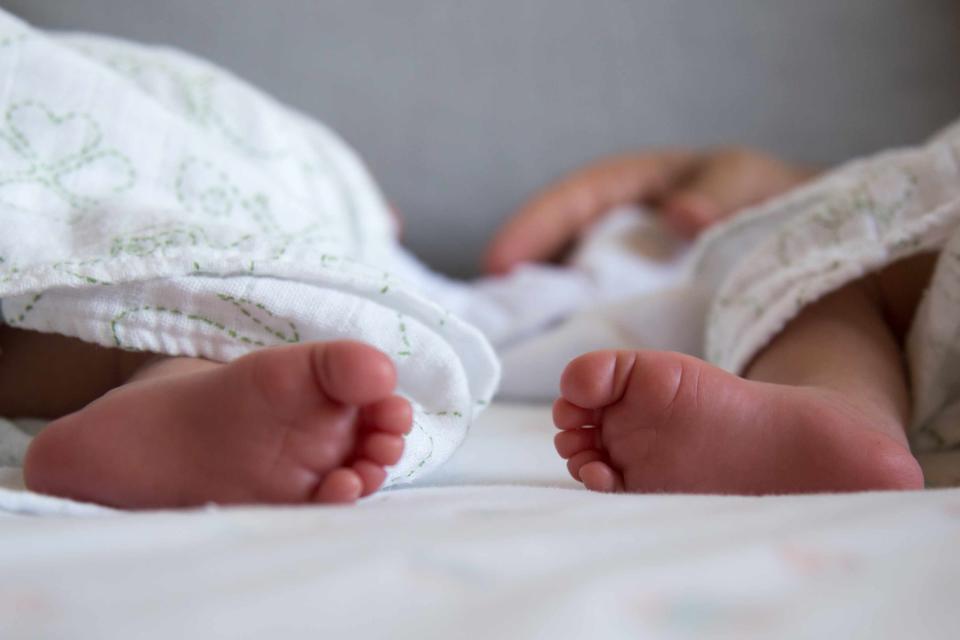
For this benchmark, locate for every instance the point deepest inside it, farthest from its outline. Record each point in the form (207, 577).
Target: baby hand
(691, 190)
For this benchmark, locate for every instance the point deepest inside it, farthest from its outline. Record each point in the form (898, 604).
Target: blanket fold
(150, 201)
(766, 265)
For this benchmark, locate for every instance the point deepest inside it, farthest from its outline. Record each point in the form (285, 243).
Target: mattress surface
(500, 543)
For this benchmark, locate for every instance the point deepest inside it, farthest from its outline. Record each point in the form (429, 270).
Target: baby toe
(353, 372)
(567, 415)
(392, 415)
(573, 441)
(578, 460)
(371, 474)
(340, 486)
(597, 379)
(382, 448)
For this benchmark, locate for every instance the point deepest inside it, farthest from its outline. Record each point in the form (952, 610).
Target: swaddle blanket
(621, 289)
(150, 201)
(766, 265)
(750, 276)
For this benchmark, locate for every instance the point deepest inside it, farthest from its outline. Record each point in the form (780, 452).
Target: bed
(500, 543)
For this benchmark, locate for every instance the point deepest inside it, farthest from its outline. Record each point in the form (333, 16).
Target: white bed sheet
(498, 544)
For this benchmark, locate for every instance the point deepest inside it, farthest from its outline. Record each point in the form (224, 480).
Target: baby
(313, 422)
(316, 422)
(310, 421)
(823, 407)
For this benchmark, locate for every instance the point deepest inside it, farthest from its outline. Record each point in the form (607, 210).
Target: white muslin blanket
(747, 278)
(150, 201)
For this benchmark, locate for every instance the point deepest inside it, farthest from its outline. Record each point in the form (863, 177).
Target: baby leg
(311, 422)
(46, 375)
(823, 408)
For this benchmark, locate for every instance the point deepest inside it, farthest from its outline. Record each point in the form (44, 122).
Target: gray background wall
(464, 108)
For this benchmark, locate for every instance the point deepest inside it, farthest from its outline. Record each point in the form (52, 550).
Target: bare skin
(176, 432)
(691, 190)
(315, 422)
(823, 408)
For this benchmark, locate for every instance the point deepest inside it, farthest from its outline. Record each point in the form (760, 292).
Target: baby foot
(312, 422)
(668, 422)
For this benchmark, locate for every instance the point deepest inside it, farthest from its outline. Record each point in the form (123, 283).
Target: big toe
(354, 373)
(597, 379)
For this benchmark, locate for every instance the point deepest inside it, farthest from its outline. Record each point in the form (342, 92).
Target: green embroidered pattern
(272, 334)
(872, 206)
(153, 240)
(449, 412)
(202, 187)
(196, 207)
(243, 306)
(58, 153)
(859, 203)
(192, 93)
(30, 306)
(402, 327)
(82, 276)
(423, 461)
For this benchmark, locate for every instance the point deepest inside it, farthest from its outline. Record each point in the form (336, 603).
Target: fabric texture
(621, 288)
(501, 545)
(150, 201)
(765, 266)
(153, 202)
(464, 114)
